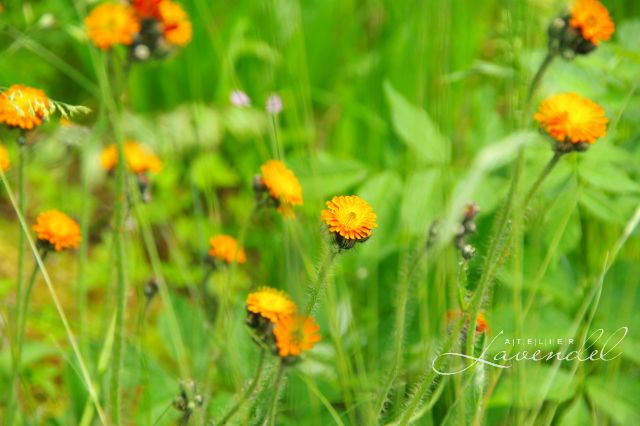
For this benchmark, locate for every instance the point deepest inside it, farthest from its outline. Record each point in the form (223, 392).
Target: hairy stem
(276, 393)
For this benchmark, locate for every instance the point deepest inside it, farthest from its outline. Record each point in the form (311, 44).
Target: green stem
(537, 79)
(399, 329)
(543, 175)
(276, 393)
(22, 323)
(121, 285)
(248, 392)
(320, 282)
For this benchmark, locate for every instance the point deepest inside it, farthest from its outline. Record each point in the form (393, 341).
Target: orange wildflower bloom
(58, 230)
(593, 21)
(146, 8)
(295, 334)
(176, 26)
(139, 158)
(571, 117)
(481, 320)
(226, 248)
(4, 158)
(281, 183)
(271, 304)
(24, 107)
(350, 216)
(112, 23)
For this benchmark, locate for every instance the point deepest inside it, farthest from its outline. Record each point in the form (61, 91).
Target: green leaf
(328, 175)
(420, 202)
(619, 397)
(577, 414)
(607, 177)
(209, 171)
(600, 205)
(416, 129)
(538, 377)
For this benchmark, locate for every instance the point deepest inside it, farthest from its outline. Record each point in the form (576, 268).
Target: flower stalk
(273, 406)
(248, 392)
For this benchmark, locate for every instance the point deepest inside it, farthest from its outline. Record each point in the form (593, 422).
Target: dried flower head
(282, 185)
(111, 24)
(227, 249)
(592, 20)
(569, 117)
(350, 218)
(57, 230)
(295, 334)
(4, 158)
(24, 107)
(140, 159)
(176, 27)
(271, 304)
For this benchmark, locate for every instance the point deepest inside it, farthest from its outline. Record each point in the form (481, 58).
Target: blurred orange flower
(571, 117)
(4, 158)
(295, 334)
(58, 230)
(270, 303)
(226, 248)
(176, 26)
(349, 216)
(481, 319)
(592, 19)
(282, 184)
(139, 158)
(112, 23)
(24, 107)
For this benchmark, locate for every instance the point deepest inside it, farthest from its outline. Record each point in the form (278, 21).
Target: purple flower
(274, 104)
(239, 98)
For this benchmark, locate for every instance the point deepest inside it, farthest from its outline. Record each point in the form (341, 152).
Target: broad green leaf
(577, 414)
(416, 129)
(600, 205)
(562, 387)
(607, 177)
(619, 397)
(421, 201)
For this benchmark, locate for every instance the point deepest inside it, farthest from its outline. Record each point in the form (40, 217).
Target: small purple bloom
(274, 104)
(240, 99)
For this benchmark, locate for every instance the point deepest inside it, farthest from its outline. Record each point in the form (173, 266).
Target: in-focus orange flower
(349, 216)
(139, 158)
(58, 230)
(24, 107)
(270, 303)
(571, 117)
(4, 158)
(592, 19)
(282, 185)
(295, 334)
(176, 26)
(112, 23)
(226, 248)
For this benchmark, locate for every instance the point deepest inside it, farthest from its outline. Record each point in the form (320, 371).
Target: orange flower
(139, 158)
(112, 23)
(4, 158)
(176, 26)
(571, 117)
(281, 183)
(295, 334)
(271, 304)
(146, 8)
(593, 21)
(58, 230)
(481, 320)
(226, 248)
(349, 216)
(24, 107)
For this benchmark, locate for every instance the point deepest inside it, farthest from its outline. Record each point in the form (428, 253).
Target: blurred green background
(390, 100)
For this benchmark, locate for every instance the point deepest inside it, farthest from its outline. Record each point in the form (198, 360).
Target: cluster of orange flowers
(275, 316)
(569, 118)
(143, 22)
(139, 158)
